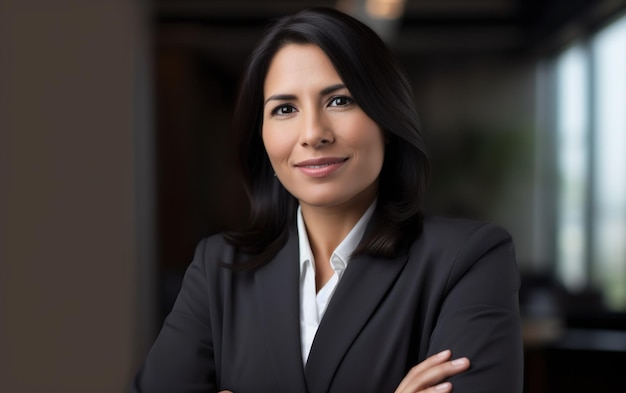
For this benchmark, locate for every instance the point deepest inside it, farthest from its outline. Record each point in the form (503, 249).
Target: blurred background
(116, 158)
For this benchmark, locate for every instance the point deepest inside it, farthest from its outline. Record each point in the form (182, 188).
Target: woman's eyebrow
(280, 97)
(288, 97)
(330, 89)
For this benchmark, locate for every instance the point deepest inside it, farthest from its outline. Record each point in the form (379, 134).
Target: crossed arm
(428, 376)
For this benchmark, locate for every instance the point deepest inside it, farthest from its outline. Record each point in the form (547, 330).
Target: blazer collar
(361, 289)
(278, 292)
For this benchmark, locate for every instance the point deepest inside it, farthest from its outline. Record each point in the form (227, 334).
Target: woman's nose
(317, 131)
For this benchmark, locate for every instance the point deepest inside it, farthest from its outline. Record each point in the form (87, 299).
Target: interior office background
(116, 158)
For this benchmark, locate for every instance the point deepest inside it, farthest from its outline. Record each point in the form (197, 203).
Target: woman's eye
(283, 110)
(340, 101)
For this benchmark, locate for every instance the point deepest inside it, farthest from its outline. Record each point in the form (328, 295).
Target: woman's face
(324, 149)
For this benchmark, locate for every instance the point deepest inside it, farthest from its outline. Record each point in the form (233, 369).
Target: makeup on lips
(320, 167)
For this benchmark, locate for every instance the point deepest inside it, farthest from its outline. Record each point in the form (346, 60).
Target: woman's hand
(426, 377)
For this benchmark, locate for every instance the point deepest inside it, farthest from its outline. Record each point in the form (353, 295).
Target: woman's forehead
(296, 66)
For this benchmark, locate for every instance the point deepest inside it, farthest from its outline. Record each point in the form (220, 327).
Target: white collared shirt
(312, 304)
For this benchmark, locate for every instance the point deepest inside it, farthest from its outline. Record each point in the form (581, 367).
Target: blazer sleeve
(182, 357)
(479, 316)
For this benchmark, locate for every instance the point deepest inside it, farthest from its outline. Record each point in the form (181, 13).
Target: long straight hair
(379, 86)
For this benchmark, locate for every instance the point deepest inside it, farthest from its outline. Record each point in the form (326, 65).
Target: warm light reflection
(385, 9)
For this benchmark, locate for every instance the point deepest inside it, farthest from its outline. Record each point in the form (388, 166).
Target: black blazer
(455, 288)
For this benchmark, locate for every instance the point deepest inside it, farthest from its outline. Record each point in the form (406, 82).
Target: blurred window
(573, 163)
(609, 208)
(591, 144)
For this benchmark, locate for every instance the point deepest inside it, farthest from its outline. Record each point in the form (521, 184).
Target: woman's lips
(320, 167)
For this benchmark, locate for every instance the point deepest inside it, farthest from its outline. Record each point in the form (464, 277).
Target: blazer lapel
(278, 292)
(362, 287)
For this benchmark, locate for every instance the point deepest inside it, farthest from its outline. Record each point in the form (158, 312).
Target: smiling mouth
(321, 163)
(320, 167)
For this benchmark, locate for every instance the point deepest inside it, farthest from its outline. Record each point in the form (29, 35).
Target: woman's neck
(326, 229)
(328, 226)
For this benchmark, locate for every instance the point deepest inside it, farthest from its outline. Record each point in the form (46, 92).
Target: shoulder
(213, 245)
(453, 246)
(456, 232)
(213, 254)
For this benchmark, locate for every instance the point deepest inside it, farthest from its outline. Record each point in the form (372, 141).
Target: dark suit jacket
(455, 288)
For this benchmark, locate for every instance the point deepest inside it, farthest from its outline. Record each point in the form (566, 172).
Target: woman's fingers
(432, 361)
(415, 371)
(441, 388)
(428, 375)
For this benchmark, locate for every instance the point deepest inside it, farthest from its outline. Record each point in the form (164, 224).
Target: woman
(338, 284)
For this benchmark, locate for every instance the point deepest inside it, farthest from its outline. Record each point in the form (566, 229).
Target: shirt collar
(341, 256)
